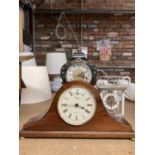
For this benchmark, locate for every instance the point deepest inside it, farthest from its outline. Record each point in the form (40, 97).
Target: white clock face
(79, 72)
(76, 105)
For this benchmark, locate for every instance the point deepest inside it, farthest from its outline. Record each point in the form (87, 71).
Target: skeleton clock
(78, 68)
(77, 111)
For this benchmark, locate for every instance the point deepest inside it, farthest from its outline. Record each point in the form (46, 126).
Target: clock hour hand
(77, 106)
(86, 110)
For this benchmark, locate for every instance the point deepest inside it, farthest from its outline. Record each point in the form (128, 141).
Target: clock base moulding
(102, 125)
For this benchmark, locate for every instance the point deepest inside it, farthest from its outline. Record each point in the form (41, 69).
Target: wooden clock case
(102, 125)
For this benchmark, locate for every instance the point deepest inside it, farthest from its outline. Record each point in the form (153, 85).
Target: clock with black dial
(78, 68)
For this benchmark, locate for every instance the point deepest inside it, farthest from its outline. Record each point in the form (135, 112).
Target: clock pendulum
(77, 111)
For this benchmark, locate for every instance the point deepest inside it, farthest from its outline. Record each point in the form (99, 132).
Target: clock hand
(82, 107)
(70, 105)
(73, 105)
(86, 110)
(78, 106)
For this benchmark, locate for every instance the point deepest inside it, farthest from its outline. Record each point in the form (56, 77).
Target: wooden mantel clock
(77, 111)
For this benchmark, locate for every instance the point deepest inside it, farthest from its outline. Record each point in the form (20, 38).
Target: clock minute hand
(73, 105)
(84, 108)
(78, 106)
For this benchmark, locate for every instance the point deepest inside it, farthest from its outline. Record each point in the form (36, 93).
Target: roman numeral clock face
(76, 105)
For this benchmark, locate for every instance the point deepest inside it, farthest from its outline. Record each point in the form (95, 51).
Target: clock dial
(79, 72)
(110, 101)
(76, 105)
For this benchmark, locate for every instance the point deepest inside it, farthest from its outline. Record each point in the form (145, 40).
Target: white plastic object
(54, 62)
(130, 92)
(37, 85)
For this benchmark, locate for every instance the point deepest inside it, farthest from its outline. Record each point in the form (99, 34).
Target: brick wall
(89, 4)
(109, 4)
(118, 28)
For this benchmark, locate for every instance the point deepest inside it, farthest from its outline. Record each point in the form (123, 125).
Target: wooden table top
(25, 58)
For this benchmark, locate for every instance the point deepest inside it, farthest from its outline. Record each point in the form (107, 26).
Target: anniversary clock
(112, 93)
(78, 68)
(77, 111)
